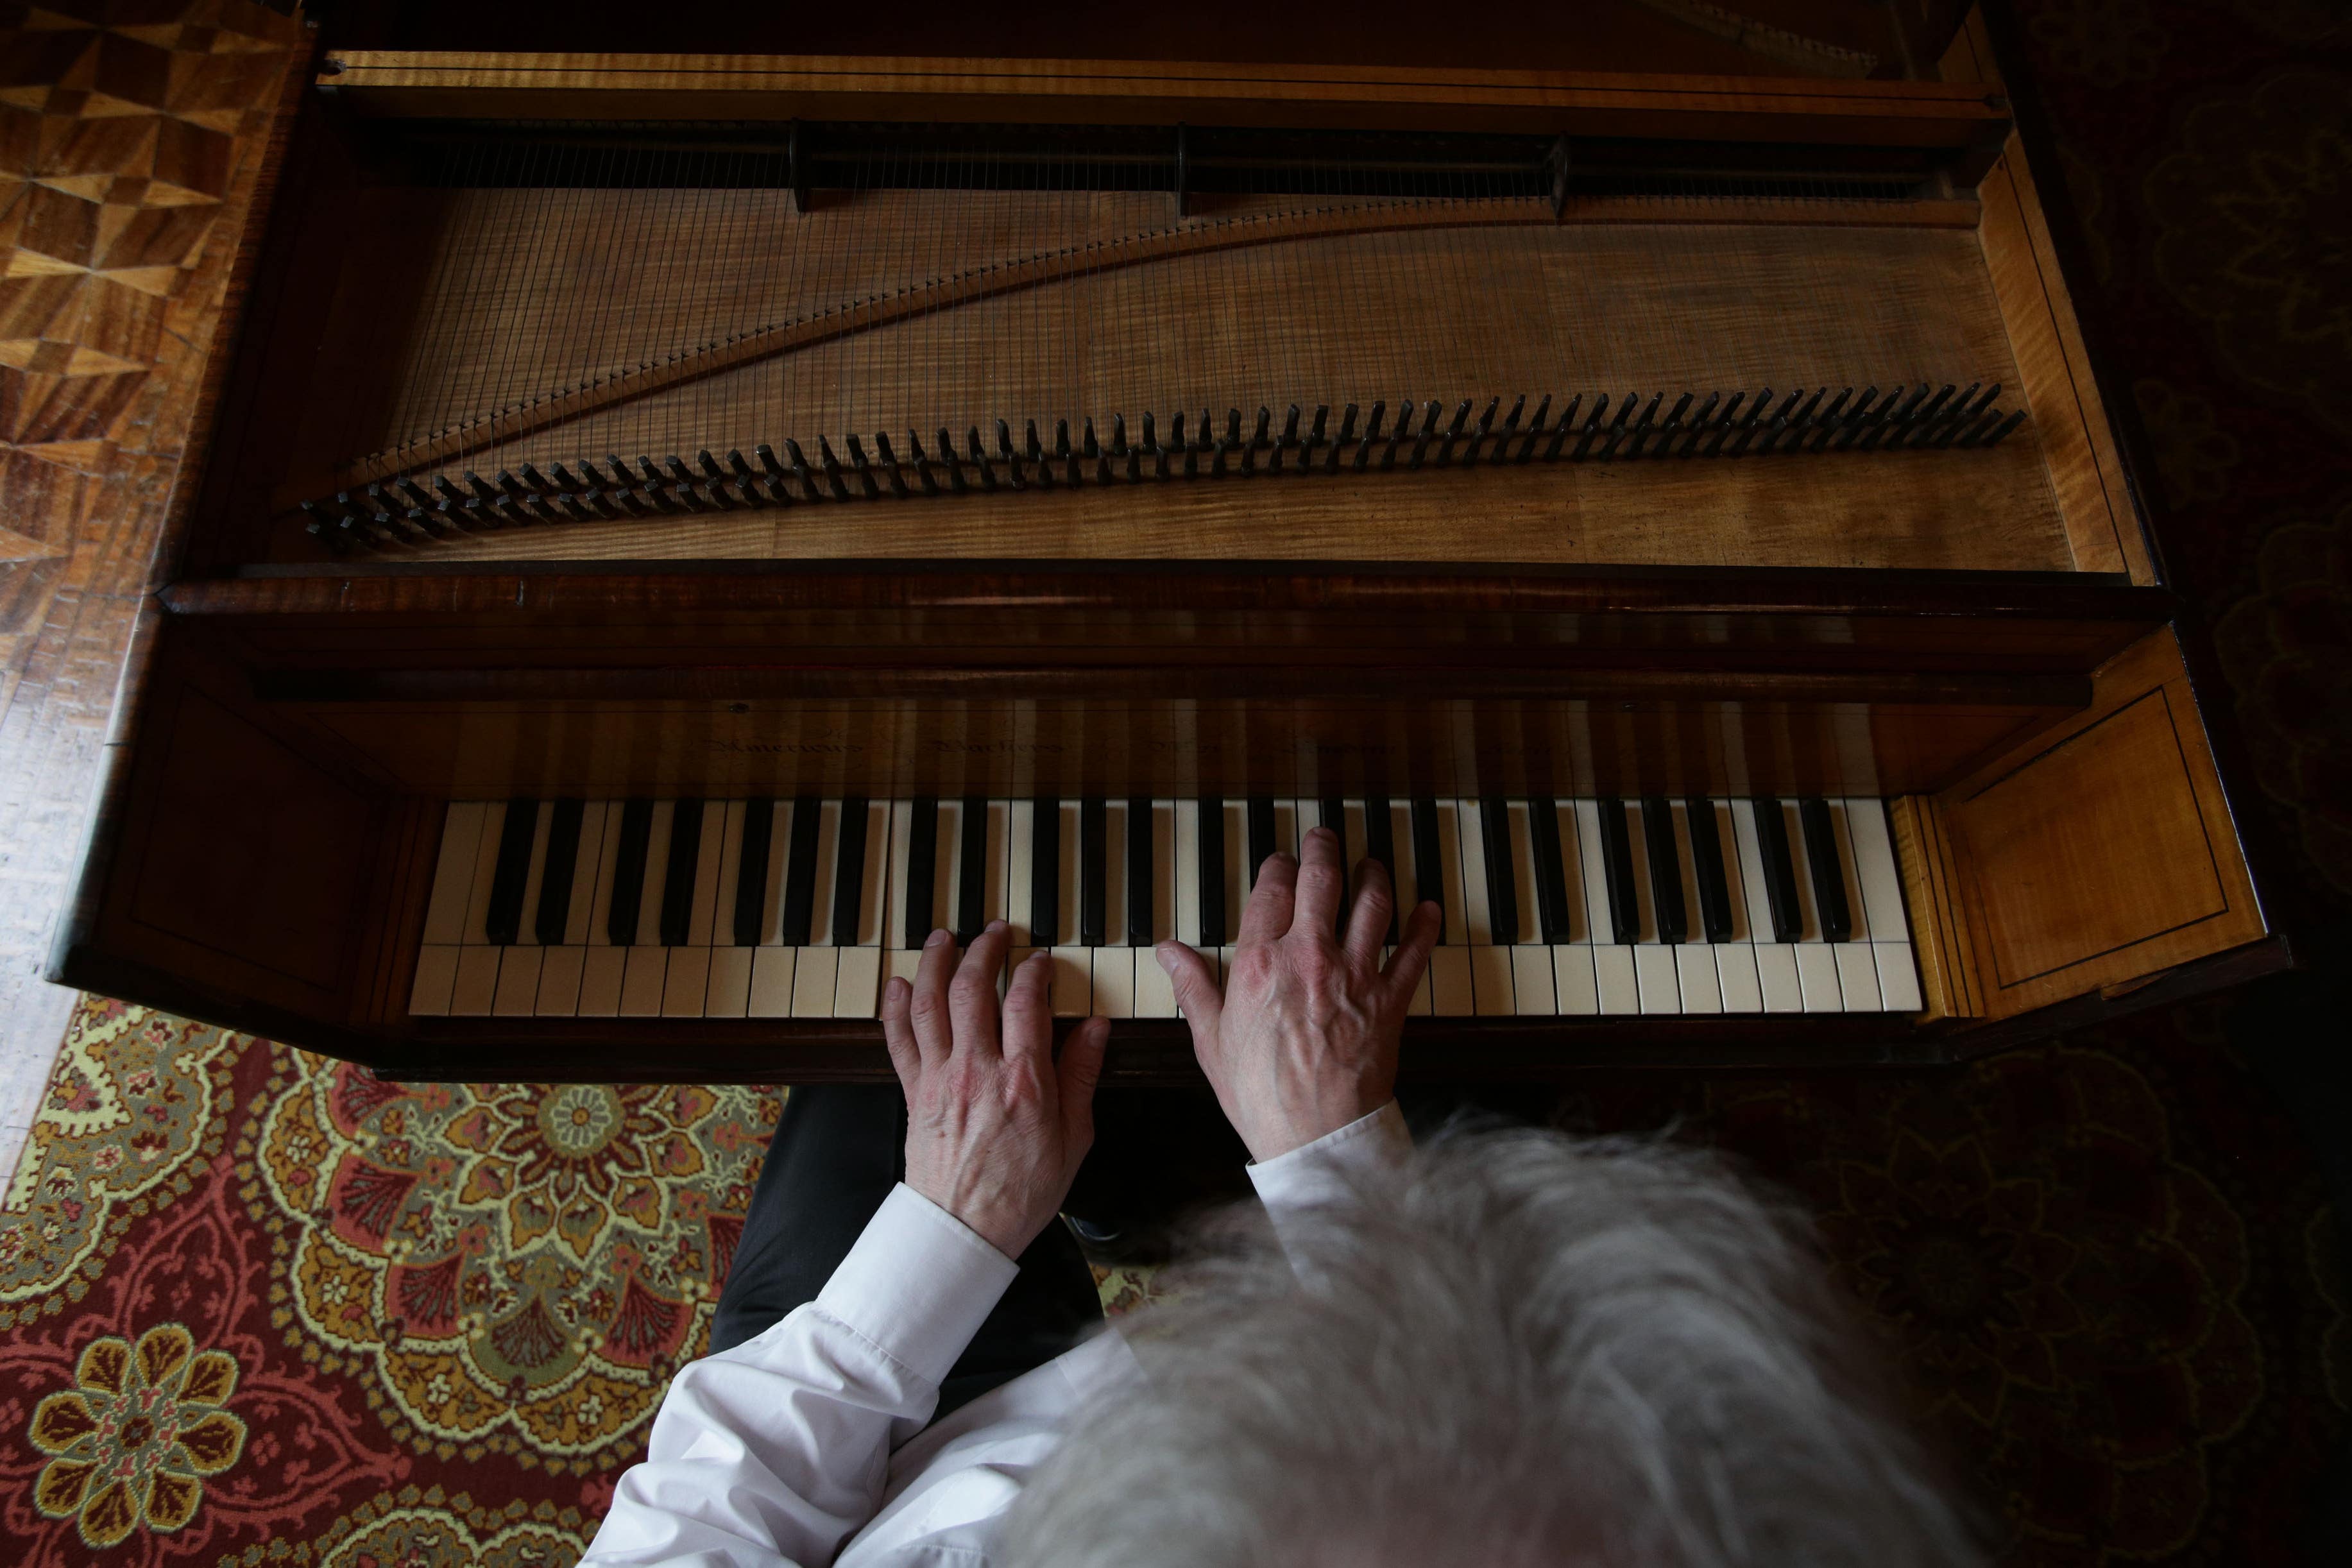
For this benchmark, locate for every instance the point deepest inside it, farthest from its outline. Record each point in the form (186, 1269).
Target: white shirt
(809, 1444)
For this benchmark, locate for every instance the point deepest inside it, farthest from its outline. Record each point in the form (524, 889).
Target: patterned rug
(256, 1306)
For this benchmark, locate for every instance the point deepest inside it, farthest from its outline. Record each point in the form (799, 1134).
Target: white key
(1451, 994)
(947, 880)
(1291, 825)
(1492, 986)
(1534, 981)
(1613, 977)
(1359, 844)
(1857, 976)
(1575, 983)
(857, 984)
(642, 981)
(902, 817)
(686, 981)
(1449, 867)
(902, 963)
(579, 930)
(1114, 889)
(873, 899)
(1817, 976)
(772, 982)
(730, 870)
(817, 971)
(527, 923)
(1066, 911)
(649, 899)
(559, 980)
(437, 977)
(1898, 976)
(1696, 975)
(1114, 981)
(730, 994)
(1155, 993)
(1841, 833)
(1408, 890)
(1074, 981)
(702, 918)
(518, 971)
(600, 980)
(1874, 865)
(1187, 851)
(485, 872)
(1601, 931)
(476, 985)
(1778, 990)
(1163, 893)
(779, 850)
(1237, 869)
(1656, 974)
(608, 859)
(1020, 852)
(828, 852)
(1471, 826)
(1736, 978)
(453, 877)
(1523, 875)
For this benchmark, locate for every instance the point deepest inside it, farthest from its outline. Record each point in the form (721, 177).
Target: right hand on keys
(1303, 1038)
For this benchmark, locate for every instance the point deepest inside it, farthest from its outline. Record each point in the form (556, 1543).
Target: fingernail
(996, 925)
(1166, 957)
(936, 938)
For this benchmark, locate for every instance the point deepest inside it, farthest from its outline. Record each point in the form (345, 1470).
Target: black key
(629, 872)
(1829, 884)
(1617, 865)
(555, 882)
(1665, 869)
(1261, 832)
(849, 872)
(799, 874)
(1139, 873)
(1379, 844)
(971, 872)
(1428, 861)
(1706, 867)
(503, 920)
(1334, 817)
(922, 869)
(1502, 886)
(1094, 871)
(751, 870)
(1779, 874)
(1045, 870)
(678, 883)
(1212, 837)
(1551, 885)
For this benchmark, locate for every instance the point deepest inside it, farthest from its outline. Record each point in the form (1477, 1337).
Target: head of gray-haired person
(1523, 1348)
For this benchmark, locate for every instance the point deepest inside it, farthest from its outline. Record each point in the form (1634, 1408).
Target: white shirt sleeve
(1316, 1176)
(778, 1450)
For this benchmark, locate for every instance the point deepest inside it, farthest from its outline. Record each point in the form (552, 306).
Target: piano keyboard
(803, 908)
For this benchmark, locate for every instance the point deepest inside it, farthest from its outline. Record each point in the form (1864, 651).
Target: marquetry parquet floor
(130, 134)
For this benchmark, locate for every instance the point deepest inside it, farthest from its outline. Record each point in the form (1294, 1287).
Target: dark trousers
(838, 1151)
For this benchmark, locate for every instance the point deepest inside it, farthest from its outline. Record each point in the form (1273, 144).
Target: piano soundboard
(801, 908)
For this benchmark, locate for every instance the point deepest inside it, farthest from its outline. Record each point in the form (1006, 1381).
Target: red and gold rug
(259, 1307)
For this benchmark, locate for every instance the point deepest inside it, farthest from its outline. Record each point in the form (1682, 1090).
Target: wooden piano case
(1984, 637)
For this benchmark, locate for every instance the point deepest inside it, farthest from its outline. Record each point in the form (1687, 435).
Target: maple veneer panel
(2106, 855)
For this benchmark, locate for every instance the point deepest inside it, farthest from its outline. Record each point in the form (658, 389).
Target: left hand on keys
(995, 1127)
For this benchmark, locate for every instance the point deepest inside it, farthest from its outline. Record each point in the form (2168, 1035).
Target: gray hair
(1522, 1348)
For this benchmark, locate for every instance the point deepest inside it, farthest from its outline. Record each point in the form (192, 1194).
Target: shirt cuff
(918, 1283)
(1321, 1172)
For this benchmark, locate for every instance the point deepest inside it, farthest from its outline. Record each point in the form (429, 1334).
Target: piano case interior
(1013, 443)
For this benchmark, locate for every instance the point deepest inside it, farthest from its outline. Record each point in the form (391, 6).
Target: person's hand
(996, 1129)
(1303, 1039)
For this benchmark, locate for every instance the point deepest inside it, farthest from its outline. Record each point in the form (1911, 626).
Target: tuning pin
(921, 462)
(978, 456)
(1012, 458)
(947, 450)
(890, 464)
(1559, 432)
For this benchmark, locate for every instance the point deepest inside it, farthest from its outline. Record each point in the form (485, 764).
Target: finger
(1029, 1012)
(971, 995)
(1322, 883)
(899, 1033)
(1367, 924)
(1080, 1069)
(1268, 914)
(1193, 977)
(927, 1008)
(1405, 966)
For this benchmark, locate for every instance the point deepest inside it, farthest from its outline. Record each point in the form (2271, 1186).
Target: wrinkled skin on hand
(1303, 1038)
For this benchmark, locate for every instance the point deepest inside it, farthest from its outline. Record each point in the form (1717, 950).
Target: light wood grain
(2107, 853)
(1948, 981)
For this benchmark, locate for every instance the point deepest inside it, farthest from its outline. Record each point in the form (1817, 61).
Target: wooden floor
(128, 153)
